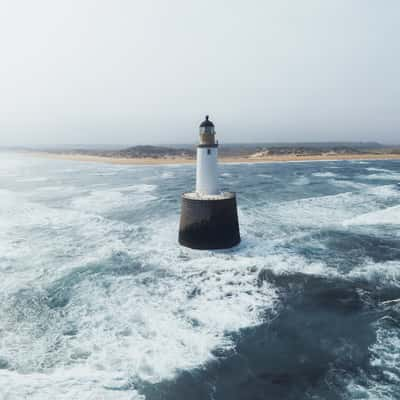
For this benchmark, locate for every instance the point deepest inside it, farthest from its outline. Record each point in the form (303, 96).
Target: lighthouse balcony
(203, 196)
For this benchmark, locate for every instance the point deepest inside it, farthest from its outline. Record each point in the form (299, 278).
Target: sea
(99, 301)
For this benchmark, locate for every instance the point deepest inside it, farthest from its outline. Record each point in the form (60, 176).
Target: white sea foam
(100, 201)
(324, 174)
(167, 175)
(104, 173)
(146, 325)
(33, 179)
(341, 183)
(384, 355)
(379, 170)
(302, 180)
(62, 384)
(139, 188)
(142, 326)
(384, 191)
(388, 216)
(383, 272)
(319, 211)
(385, 351)
(383, 176)
(335, 209)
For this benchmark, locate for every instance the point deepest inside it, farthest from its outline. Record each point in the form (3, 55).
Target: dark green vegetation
(226, 150)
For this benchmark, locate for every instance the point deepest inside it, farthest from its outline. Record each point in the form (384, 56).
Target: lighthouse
(209, 217)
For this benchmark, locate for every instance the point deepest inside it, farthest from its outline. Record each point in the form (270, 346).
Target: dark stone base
(209, 224)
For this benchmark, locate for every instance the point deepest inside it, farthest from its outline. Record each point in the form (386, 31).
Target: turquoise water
(98, 301)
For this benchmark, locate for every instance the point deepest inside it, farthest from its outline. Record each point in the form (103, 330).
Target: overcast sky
(134, 72)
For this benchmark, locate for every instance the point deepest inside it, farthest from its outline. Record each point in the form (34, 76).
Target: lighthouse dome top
(206, 123)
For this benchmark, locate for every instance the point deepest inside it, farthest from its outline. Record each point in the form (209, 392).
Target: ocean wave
(324, 174)
(33, 179)
(302, 180)
(103, 201)
(143, 326)
(139, 188)
(97, 307)
(383, 383)
(383, 176)
(380, 170)
(387, 216)
(167, 175)
(341, 183)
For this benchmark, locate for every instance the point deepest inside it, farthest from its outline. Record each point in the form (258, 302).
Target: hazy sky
(129, 72)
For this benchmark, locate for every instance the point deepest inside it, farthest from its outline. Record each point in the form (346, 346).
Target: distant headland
(230, 153)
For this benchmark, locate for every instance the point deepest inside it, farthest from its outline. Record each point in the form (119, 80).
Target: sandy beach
(236, 159)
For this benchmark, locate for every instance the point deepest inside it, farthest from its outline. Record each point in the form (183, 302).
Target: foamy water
(98, 301)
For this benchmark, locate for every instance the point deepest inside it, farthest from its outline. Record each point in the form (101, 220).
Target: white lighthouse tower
(207, 160)
(208, 217)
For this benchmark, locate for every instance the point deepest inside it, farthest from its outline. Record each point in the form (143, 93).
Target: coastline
(222, 160)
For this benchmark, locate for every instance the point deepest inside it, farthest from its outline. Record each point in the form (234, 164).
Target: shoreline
(222, 160)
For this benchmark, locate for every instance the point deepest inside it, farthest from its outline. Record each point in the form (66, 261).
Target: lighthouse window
(208, 151)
